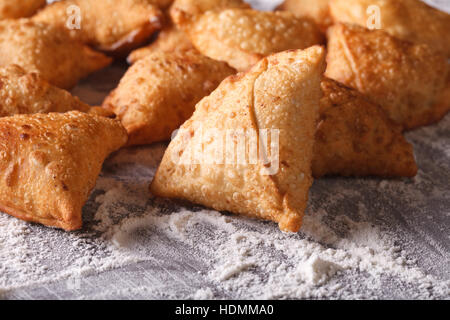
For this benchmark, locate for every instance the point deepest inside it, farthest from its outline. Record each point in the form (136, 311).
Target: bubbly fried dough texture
(404, 78)
(49, 164)
(28, 93)
(411, 20)
(47, 50)
(168, 40)
(318, 10)
(13, 9)
(356, 138)
(113, 26)
(242, 37)
(280, 93)
(183, 12)
(159, 92)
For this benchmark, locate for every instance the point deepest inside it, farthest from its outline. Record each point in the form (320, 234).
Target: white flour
(232, 256)
(244, 258)
(362, 238)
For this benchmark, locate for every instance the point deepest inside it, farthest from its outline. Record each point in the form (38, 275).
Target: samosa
(356, 137)
(49, 164)
(159, 92)
(248, 147)
(49, 51)
(113, 26)
(241, 37)
(410, 20)
(404, 78)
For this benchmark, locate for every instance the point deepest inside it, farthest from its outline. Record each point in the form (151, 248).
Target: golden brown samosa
(276, 103)
(241, 37)
(49, 164)
(49, 51)
(182, 12)
(113, 26)
(411, 20)
(356, 138)
(159, 92)
(28, 93)
(406, 79)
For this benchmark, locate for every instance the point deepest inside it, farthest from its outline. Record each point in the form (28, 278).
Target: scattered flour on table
(235, 257)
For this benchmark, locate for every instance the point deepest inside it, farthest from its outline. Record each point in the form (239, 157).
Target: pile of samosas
(334, 93)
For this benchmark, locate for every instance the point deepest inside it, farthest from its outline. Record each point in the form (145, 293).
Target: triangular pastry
(114, 26)
(318, 10)
(182, 12)
(356, 138)
(403, 78)
(275, 105)
(159, 92)
(411, 20)
(49, 164)
(241, 37)
(27, 93)
(13, 9)
(38, 47)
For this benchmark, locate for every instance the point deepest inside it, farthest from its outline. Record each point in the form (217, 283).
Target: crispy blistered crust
(318, 10)
(27, 93)
(37, 47)
(404, 78)
(281, 92)
(159, 92)
(169, 40)
(356, 138)
(113, 26)
(411, 20)
(242, 37)
(13, 9)
(184, 12)
(49, 164)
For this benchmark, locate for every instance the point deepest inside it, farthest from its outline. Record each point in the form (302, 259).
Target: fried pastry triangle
(410, 20)
(19, 8)
(49, 164)
(356, 138)
(403, 78)
(159, 92)
(182, 12)
(37, 47)
(114, 26)
(242, 37)
(27, 93)
(278, 97)
(318, 10)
